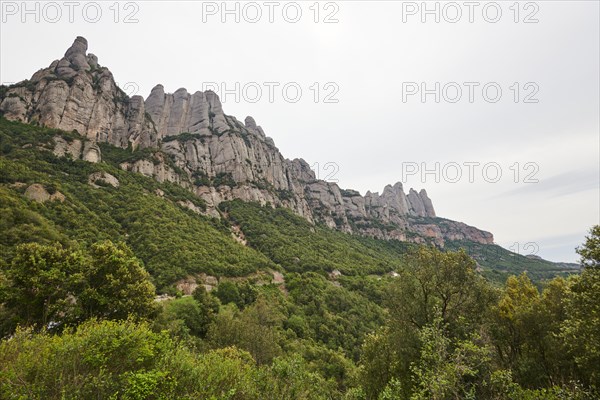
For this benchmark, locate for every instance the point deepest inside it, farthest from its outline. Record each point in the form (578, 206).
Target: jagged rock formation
(75, 93)
(183, 112)
(216, 156)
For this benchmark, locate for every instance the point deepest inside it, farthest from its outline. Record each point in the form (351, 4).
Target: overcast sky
(368, 62)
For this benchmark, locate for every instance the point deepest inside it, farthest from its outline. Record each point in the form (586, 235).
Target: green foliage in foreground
(450, 335)
(54, 286)
(447, 334)
(110, 360)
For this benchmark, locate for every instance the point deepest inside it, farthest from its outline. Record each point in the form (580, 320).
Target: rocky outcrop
(190, 206)
(181, 112)
(453, 230)
(187, 286)
(76, 150)
(391, 207)
(76, 94)
(416, 206)
(99, 179)
(91, 153)
(427, 203)
(39, 194)
(156, 167)
(327, 203)
(195, 145)
(64, 148)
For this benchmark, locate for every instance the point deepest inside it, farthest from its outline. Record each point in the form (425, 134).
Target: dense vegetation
(350, 317)
(298, 246)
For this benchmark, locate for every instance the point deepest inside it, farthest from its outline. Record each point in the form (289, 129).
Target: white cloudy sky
(370, 54)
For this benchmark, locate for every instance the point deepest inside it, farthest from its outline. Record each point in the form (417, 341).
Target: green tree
(434, 281)
(118, 285)
(433, 284)
(42, 282)
(50, 286)
(513, 319)
(228, 292)
(188, 315)
(182, 317)
(209, 307)
(590, 251)
(378, 363)
(581, 328)
(448, 369)
(241, 294)
(98, 360)
(525, 326)
(289, 378)
(558, 364)
(256, 329)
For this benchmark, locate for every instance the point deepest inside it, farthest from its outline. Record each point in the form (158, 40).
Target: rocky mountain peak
(76, 94)
(75, 59)
(250, 123)
(213, 154)
(78, 48)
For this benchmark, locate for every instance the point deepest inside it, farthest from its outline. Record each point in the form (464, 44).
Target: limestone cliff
(212, 154)
(76, 93)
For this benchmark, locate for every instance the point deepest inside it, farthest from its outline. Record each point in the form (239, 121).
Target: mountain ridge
(187, 139)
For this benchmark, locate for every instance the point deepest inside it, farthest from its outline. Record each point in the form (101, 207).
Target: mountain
(46, 198)
(188, 140)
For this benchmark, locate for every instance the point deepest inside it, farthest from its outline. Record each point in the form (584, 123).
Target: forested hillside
(293, 310)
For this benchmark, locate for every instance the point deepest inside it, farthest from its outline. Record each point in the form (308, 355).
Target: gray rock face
(63, 148)
(395, 199)
(394, 206)
(327, 203)
(252, 127)
(97, 179)
(429, 211)
(74, 93)
(416, 205)
(212, 154)
(301, 170)
(156, 168)
(182, 112)
(39, 194)
(76, 54)
(77, 150)
(91, 152)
